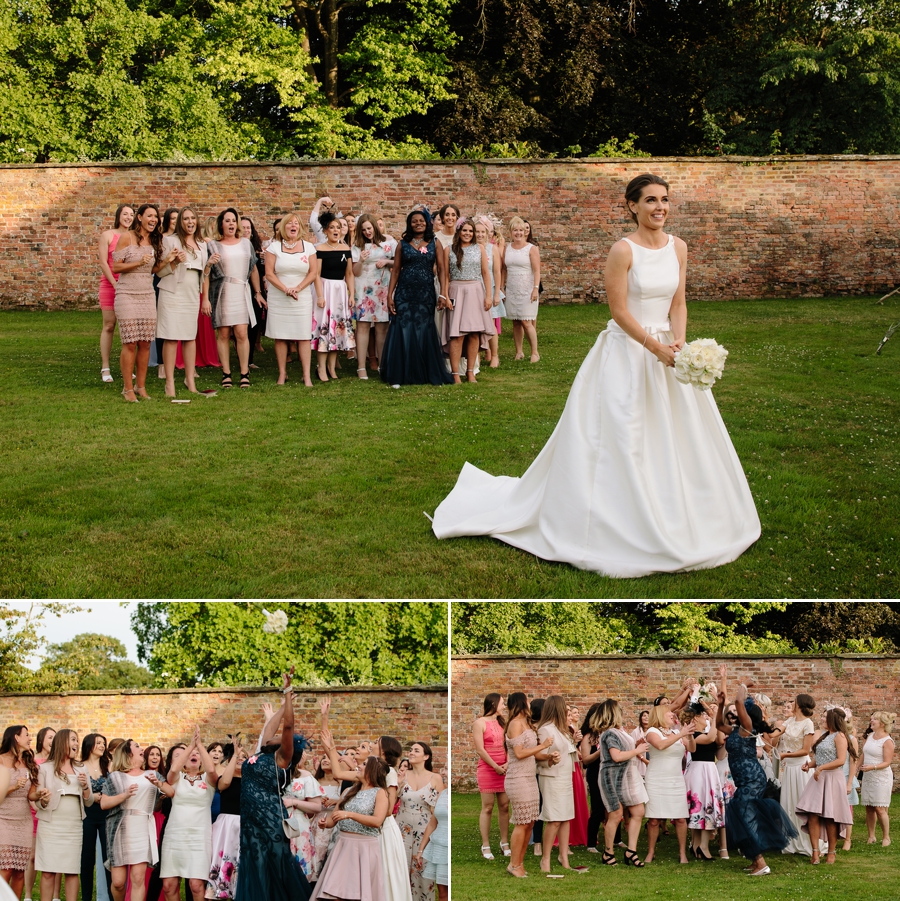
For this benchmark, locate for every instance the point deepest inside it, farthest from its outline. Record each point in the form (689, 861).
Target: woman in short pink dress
(107, 291)
(487, 737)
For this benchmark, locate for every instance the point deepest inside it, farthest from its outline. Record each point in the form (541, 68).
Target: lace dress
(135, 303)
(412, 351)
(876, 784)
(416, 808)
(521, 780)
(794, 779)
(16, 825)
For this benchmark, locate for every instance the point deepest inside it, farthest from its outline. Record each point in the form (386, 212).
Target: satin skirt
(638, 477)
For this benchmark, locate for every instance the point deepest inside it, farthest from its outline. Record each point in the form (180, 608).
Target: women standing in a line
(417, 800)
(434, 851)
(621, 786)
(824, 800)
(877, 778)
(521, 279)
(555, 777)
(667, 795)
(333, 320)
(523, 751)
(16, 825)
(373, 257)
(230, 281)
(487, 738)
(353, 870)
(130, 796)
(226, 830)
(96, 764)
(183, 290)
(137, 256)
(706, 809)
(291, 268)
(465, 299)
(187, 849)
(794, 745)
(108, 241)
(412, 350)
(484, 235)
(60, 797)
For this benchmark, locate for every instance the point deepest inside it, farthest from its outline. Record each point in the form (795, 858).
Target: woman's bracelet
(644, 344)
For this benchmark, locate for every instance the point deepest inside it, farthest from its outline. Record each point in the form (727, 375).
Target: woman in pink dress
(487, 736)
(578, 824)
(108, 241)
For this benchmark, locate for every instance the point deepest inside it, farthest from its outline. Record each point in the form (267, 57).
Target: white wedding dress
(639, 475)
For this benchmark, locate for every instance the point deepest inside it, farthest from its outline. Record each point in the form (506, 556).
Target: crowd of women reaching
(716, 769)
(233, 822)
(422, 309)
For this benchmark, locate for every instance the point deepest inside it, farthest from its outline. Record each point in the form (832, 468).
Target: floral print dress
(416, 808)
(372, 284)
(306, 788)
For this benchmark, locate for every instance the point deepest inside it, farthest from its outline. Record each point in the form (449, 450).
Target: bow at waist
(650, 328)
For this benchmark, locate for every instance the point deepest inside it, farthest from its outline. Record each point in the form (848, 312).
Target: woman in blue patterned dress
(755, 824)
(268, 869)
(412, 349)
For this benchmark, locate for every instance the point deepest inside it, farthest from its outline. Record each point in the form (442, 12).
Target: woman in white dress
(187, 846)
(290, 271)
(664, 780)
(794, 744)
(640, 475)
(877, 778)
(521, 282)
(555, 778)
(130, 795)
(183, 291)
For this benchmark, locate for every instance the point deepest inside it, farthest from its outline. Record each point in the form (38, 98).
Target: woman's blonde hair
(121, 758)
(658, 717)
(608, 715)
(516, 222)
(886, 718)
(282, 225)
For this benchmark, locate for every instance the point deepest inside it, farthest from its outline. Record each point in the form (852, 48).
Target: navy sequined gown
(268, 870)
(754, 824)
(412, 352)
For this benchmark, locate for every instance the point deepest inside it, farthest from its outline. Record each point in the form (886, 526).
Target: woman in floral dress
(373, 257)
(417, 800)
(303, 797)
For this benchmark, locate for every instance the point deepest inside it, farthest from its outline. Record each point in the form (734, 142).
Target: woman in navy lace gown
(268, 869)
(754, 824)
(412, 349)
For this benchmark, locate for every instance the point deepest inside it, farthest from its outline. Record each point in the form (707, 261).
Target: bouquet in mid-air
(703, 691)
(700, 363)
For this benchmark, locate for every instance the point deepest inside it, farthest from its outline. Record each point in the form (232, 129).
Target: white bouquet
(705, 691)
(276, 622)
(700, 363)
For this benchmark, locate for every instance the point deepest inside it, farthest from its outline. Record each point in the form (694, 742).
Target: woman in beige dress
(521, 279)
(16, 825)
(794, 743)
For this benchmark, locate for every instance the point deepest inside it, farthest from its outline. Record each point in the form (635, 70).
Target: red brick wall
(167, 716)
(865, 684)
(804, 226)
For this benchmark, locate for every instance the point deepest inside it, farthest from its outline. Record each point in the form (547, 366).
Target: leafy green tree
(21, 639)
(221, 644)
(89, 662)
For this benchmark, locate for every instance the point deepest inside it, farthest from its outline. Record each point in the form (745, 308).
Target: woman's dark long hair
(375, 773)
(162, 768)
(169, 757)
(531, 239)
(492, 704)
(457, 245)
(517, 703)
(836, 721)
(237, 219)
(156, 234)
(117, 222)
(253, 236)
(359, 239)
(429, 757)
(391, 750)
(9, 746)
(586, 722)
(429, 227)
(171, 211)
(87, 746)
(42, 734)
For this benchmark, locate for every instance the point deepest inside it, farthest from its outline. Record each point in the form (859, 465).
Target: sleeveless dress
(226, 843)
(755, 824)
(135, 303)
(130, 826)
(665, 782)
(179, 293)
(412, 350)
(268, 869)
(415, 813)
(620, 782)
(706, 809)
(498, 311)
(371, 284)
(489, 780)
(521, 782)
(107, 289)
(437, 853)
(467, 291)
(187, 845)
(289, 319)
(827, 795)
(876, 784)
(520, 284)
(333, 323)
(794, 780)
(229, 283)
(639, 475)
(393, 853)
(16, 825)
(304, 850)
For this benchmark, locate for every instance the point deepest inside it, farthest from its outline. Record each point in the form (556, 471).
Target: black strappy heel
(631, 857)
(609, 858)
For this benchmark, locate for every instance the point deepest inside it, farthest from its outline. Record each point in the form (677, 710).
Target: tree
(90, 662)
(20, 639)
(220, 644)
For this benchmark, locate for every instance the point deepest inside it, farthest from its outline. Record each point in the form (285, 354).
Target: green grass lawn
(867, 872)
(320, 492)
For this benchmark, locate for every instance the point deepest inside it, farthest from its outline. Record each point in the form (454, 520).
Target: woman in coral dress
(489, 744)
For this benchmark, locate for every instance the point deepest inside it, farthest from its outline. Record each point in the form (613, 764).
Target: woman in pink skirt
(824, 800)
(353, 870)
(487, 736)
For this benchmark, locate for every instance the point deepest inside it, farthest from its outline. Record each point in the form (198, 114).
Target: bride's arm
(617, 265)
(678, 310)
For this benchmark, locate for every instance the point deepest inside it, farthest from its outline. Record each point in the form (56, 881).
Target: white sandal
(108, 377)
(504, 847)
(486, 852)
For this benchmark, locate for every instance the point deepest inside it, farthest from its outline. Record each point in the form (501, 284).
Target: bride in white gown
(639, 475)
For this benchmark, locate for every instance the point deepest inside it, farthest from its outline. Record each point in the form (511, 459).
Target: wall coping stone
(236, 689)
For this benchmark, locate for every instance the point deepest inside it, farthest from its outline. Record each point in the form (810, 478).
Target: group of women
(696, 761)
(183, 291)
(233, 823)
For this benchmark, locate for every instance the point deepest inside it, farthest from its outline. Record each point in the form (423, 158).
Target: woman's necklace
(417, 242)
(193, 779)
(288, 246)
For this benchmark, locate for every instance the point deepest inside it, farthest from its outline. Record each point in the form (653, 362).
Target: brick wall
(164, 717)
(771, 227)
(863, 683)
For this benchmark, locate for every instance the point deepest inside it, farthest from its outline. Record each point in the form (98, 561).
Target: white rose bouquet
(276, 622)
(700, 363)
(704, 691)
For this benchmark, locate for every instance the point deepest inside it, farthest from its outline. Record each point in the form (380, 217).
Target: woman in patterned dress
(333, 316)
(706, 810)
(434, 852)
(226, 831)
(321, 835)
(373, 257)
(521, 279)
(16, 825)
(522, 751)
(417, 800)
(303, 798)
(487, 738)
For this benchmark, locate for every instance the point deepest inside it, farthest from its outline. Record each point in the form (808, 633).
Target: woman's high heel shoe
(631, 857)
(131, 400)
(504, 847)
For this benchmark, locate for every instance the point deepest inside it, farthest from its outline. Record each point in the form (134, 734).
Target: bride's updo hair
(636, 187)
(807, 704)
